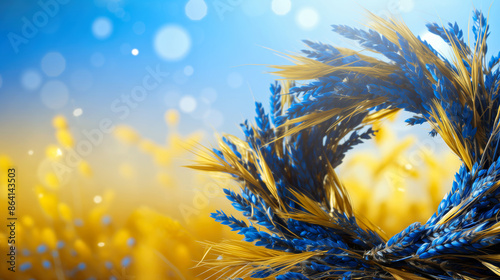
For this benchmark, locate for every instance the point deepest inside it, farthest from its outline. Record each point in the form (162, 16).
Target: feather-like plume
(302, 224)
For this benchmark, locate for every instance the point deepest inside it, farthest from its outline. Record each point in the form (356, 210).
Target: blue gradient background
(237, 43)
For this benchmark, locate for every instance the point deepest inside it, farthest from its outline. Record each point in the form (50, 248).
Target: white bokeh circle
(102, 28)
(307, 18)
(172, 42)
(196, 9)
(188, 70)
(281, 7)
(31, 80)
(54, 94)
(187, 104)
(77, 112)
(53, 64)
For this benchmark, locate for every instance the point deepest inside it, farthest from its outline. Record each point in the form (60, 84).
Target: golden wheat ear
(300, 221)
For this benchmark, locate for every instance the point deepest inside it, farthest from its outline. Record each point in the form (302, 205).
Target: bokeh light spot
(307, 18)
(106, 220)
(52, 152)
(102, 28)
(187, 104)
(188, 70)
(97, 199)
(281, 7)
(25, 266)
(126, 261)
(46, 264)
(172, 117)
(54, 94)
(31, 80)
(85, 169)
(78, 222)
(41, 249)
(82, 266)
(196, 9)
(135, 52)
(131, 241)
(172, 42)
(234, 80)
(77, 112)
(126, 169)
(139, 28)
(59, 122)
(53, 64)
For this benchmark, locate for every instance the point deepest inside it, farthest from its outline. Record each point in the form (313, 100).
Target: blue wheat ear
(301, 222)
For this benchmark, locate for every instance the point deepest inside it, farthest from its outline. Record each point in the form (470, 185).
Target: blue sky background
(84, 59)
(79, 58)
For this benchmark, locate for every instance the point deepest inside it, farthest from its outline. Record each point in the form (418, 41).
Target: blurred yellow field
(93, 236)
